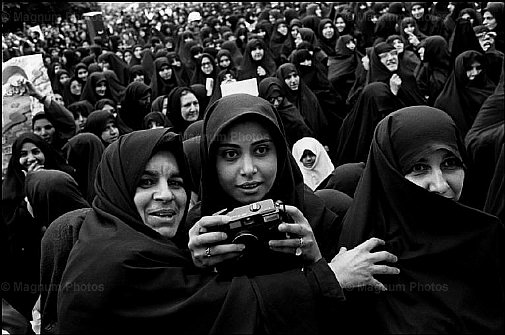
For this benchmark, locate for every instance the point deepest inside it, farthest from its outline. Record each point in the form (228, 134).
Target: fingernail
(241, 247)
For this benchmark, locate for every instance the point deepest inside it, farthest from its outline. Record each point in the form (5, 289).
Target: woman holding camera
(246, 160)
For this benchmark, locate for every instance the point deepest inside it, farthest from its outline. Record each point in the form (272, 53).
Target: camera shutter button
(255, 207)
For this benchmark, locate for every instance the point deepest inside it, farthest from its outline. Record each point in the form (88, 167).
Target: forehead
(164, 162)
(246, 131)
(189, 97)
(385, 54)
(28, 146)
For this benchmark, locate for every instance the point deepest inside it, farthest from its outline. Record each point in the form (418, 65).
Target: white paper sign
(248, 86)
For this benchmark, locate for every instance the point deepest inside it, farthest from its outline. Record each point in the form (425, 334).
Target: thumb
(342, 250)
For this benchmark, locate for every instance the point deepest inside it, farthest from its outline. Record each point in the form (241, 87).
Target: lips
(249, 185)
(163, 213)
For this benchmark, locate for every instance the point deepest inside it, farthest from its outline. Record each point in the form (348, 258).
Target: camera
(254, 224)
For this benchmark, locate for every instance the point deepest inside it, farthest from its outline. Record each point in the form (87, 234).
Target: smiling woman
(408, 195)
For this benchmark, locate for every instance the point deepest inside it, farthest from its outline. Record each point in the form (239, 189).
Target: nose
(30, 158)
(474, 71)
(163, 192)
(248, 167)
(437, 182)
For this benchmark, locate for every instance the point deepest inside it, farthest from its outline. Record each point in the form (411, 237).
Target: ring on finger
(207, 252)
(301, 243)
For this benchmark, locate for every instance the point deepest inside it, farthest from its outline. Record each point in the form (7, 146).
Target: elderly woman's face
(190, 107)
(439, 171)
(246, 162)
(292, 80)
(160, 197)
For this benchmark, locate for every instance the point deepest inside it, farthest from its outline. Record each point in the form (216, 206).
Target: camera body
(254, 224)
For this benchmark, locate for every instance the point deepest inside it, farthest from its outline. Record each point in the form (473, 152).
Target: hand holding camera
(263, 224)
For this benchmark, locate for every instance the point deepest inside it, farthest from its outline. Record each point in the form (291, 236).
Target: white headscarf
(322, 167)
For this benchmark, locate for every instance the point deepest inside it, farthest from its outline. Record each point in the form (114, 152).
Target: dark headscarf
(88, 91)
(97, 121)
(227, 53)
(68, 97)
(293, 122)
(484, 143)
(462, 98)
(435, 67)
(82, 107)
(52, 193)
(117, 65)
(342, 67)
(116, 88)
(201, 78)
(408, 92)
(306, 102)
(444, 286)
(160, 86)
(375, 102)
(288, 186)
(174, 115)
(133, 111)
(385, 26)
(139, 70)
(13, 185)
(84, 152)
(151, 280)
(278, 41)
(57, 86)
(234, 50)
(249, 67)
(158, 118)
(327, 45)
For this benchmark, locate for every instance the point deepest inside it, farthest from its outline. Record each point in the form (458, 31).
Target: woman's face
(224, 62)
(294, 31)
(190, 108)
(293, 81)
(139, 78)
(104, 65)
(59, 99)
(82, 74)
(101, 88)
(80, 121)
(474, 70)
(298, 39)
(351, 45)
(340, 24)
(44, 129)
(257, 53)
(30, 153)
(467, 17)
(246, 162)
(137, 51)
(120, 55)
(489, 20)
(328, 31)
(207, 66)
(110, 133)
(308, 159)
(64, 78)
(417, 12)
(228, 78)
(398, 44)
(160, 197)
(282, 29)
(439, 171)
(75, 87)
(165, 72)
(409, 29)
(128, 57)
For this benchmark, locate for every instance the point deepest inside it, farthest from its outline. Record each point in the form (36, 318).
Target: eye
(176, 183)
(23, 154)
(146, 182)
(452, 163)
(419, 168)
(262, 150)
(229, 154)
(35, 151)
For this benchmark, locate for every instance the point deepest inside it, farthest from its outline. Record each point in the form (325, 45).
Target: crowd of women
(368, 172)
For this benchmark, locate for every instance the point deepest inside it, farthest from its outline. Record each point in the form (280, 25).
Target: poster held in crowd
(248, 86)
(18, 106)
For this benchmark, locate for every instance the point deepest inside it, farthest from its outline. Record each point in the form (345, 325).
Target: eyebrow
(154, 173)
(266, 140)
